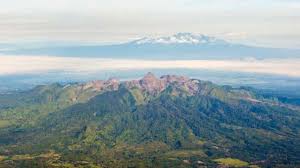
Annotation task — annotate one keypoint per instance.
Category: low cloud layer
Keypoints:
(10, 65)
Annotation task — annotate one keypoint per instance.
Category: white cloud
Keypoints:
(43, 64)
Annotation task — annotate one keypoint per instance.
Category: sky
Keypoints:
(274, 23)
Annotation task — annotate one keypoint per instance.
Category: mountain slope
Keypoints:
(157, 122)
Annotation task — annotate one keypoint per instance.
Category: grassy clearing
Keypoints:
(231, 162)
(254, 166)
(2, 158)
(22, 157)
(4, 123)
(185, 153)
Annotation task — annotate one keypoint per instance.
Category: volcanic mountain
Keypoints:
(179, 46)
(167, 121)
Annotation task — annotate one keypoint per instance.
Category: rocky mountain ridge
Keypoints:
(149, 83)
(153, 85)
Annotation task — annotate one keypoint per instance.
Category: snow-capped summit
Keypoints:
(178, 46)
(181, 38)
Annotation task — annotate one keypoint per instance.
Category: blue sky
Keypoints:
(260, 22)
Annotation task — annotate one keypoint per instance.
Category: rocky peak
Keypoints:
(112, 80)
(149, 84)
(174, 78)
(112, 83)
(153, 85)
(100, 85)
(149, 77)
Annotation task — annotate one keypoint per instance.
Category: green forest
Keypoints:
(148, 123)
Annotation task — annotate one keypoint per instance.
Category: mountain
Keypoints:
(182, 38)
(170, 121)
(178, 46)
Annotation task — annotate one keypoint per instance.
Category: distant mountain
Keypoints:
(182, 38)
(171, 121)
(178, 46)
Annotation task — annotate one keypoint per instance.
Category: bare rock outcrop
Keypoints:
(153, 85)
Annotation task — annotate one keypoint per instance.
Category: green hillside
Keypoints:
(153, 122)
